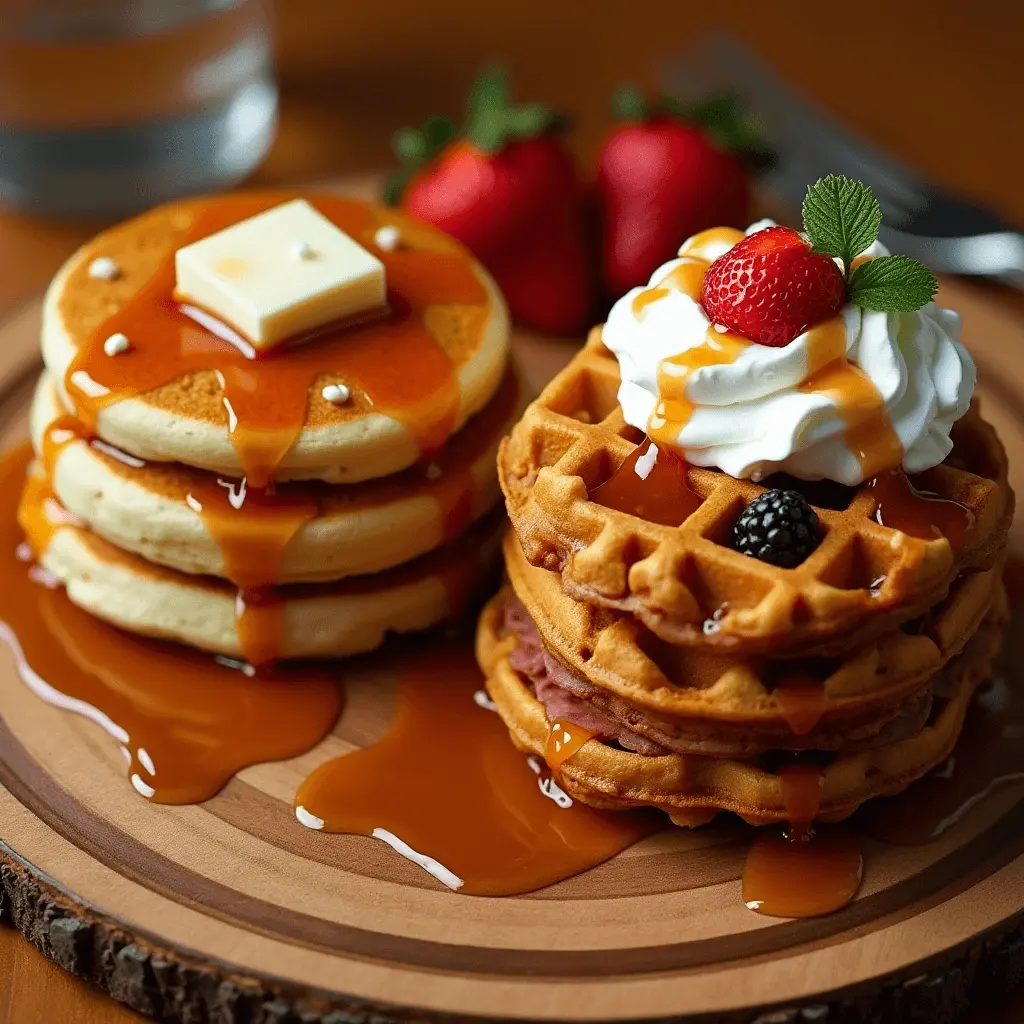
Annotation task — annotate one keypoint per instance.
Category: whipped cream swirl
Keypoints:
(843, 401)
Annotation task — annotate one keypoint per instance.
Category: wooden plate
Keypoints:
(231, 911)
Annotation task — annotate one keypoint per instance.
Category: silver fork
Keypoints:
(949, 235)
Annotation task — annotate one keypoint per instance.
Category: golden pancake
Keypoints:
(182, 392)
(315, 620)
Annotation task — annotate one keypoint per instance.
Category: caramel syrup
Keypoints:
(869, 434)
(901, 506)
(695, 247)
(563, 741)
(675, 409)
(801, 874)
(782, 878)
(392, 362)
(186, 722)
(802, 702)
(652, 484)
(447, 782)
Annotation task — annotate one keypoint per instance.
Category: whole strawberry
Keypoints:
(662, 178)
(507, 188)
(776, 283)
(771, 287)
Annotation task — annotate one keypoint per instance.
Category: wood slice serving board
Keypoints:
(231, 911)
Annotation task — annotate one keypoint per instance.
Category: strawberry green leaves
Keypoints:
(493, 120)
(842, 218)
(414, 148)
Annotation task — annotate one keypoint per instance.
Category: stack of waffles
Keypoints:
(299, 504)
(653, 664)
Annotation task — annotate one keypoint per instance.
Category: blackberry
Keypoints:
(779, 527)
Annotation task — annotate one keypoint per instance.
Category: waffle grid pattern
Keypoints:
(684, 582)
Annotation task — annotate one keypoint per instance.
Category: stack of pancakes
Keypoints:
(139, 503)
(687, 676)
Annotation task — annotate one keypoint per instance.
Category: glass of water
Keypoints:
(110, 106)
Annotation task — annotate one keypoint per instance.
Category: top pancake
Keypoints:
(415, 376)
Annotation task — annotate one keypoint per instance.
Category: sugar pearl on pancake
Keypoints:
(336, 394)
(103, 268)
(116, 344)
(303, 251)
(388, 237)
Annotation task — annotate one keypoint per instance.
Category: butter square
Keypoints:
(281, 273)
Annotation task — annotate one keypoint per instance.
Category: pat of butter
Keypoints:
(281, 273)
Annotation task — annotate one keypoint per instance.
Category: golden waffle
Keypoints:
(691, 789)
(691, 701)
(685, 583)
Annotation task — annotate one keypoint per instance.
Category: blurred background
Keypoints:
(181, 93)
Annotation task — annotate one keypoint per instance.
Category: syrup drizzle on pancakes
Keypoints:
(392, 360)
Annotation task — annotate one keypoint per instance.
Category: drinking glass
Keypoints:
(109, 106)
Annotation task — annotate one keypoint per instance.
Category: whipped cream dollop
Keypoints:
(843, 401)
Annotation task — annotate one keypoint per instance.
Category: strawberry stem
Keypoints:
(630, 104)
(415, 147)
(493, 120)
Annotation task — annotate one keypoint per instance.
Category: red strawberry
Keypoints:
(661, 179)
(509, 191)
(770, 287)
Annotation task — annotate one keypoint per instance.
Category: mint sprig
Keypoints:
(894, 284)
(842, 218)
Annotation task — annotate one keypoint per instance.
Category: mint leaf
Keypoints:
(892, 284)
(841, 217)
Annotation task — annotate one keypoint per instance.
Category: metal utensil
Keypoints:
(949, 235)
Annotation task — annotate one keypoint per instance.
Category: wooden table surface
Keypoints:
(935, 82)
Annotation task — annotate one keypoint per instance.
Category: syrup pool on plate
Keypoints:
(447, 788)
(807, 871)
(185, 721)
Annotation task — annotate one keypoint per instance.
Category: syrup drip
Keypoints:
(711, 238)
(801, 874)
(265, 398)
(251, 526)
(563, 741)
(653, 490)
(185, 721)
(801, 784)
(901, 506)
(675, 410)
(869, 434)
(447, 782)
(802, 703)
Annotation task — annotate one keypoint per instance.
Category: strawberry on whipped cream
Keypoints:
(860, 393)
